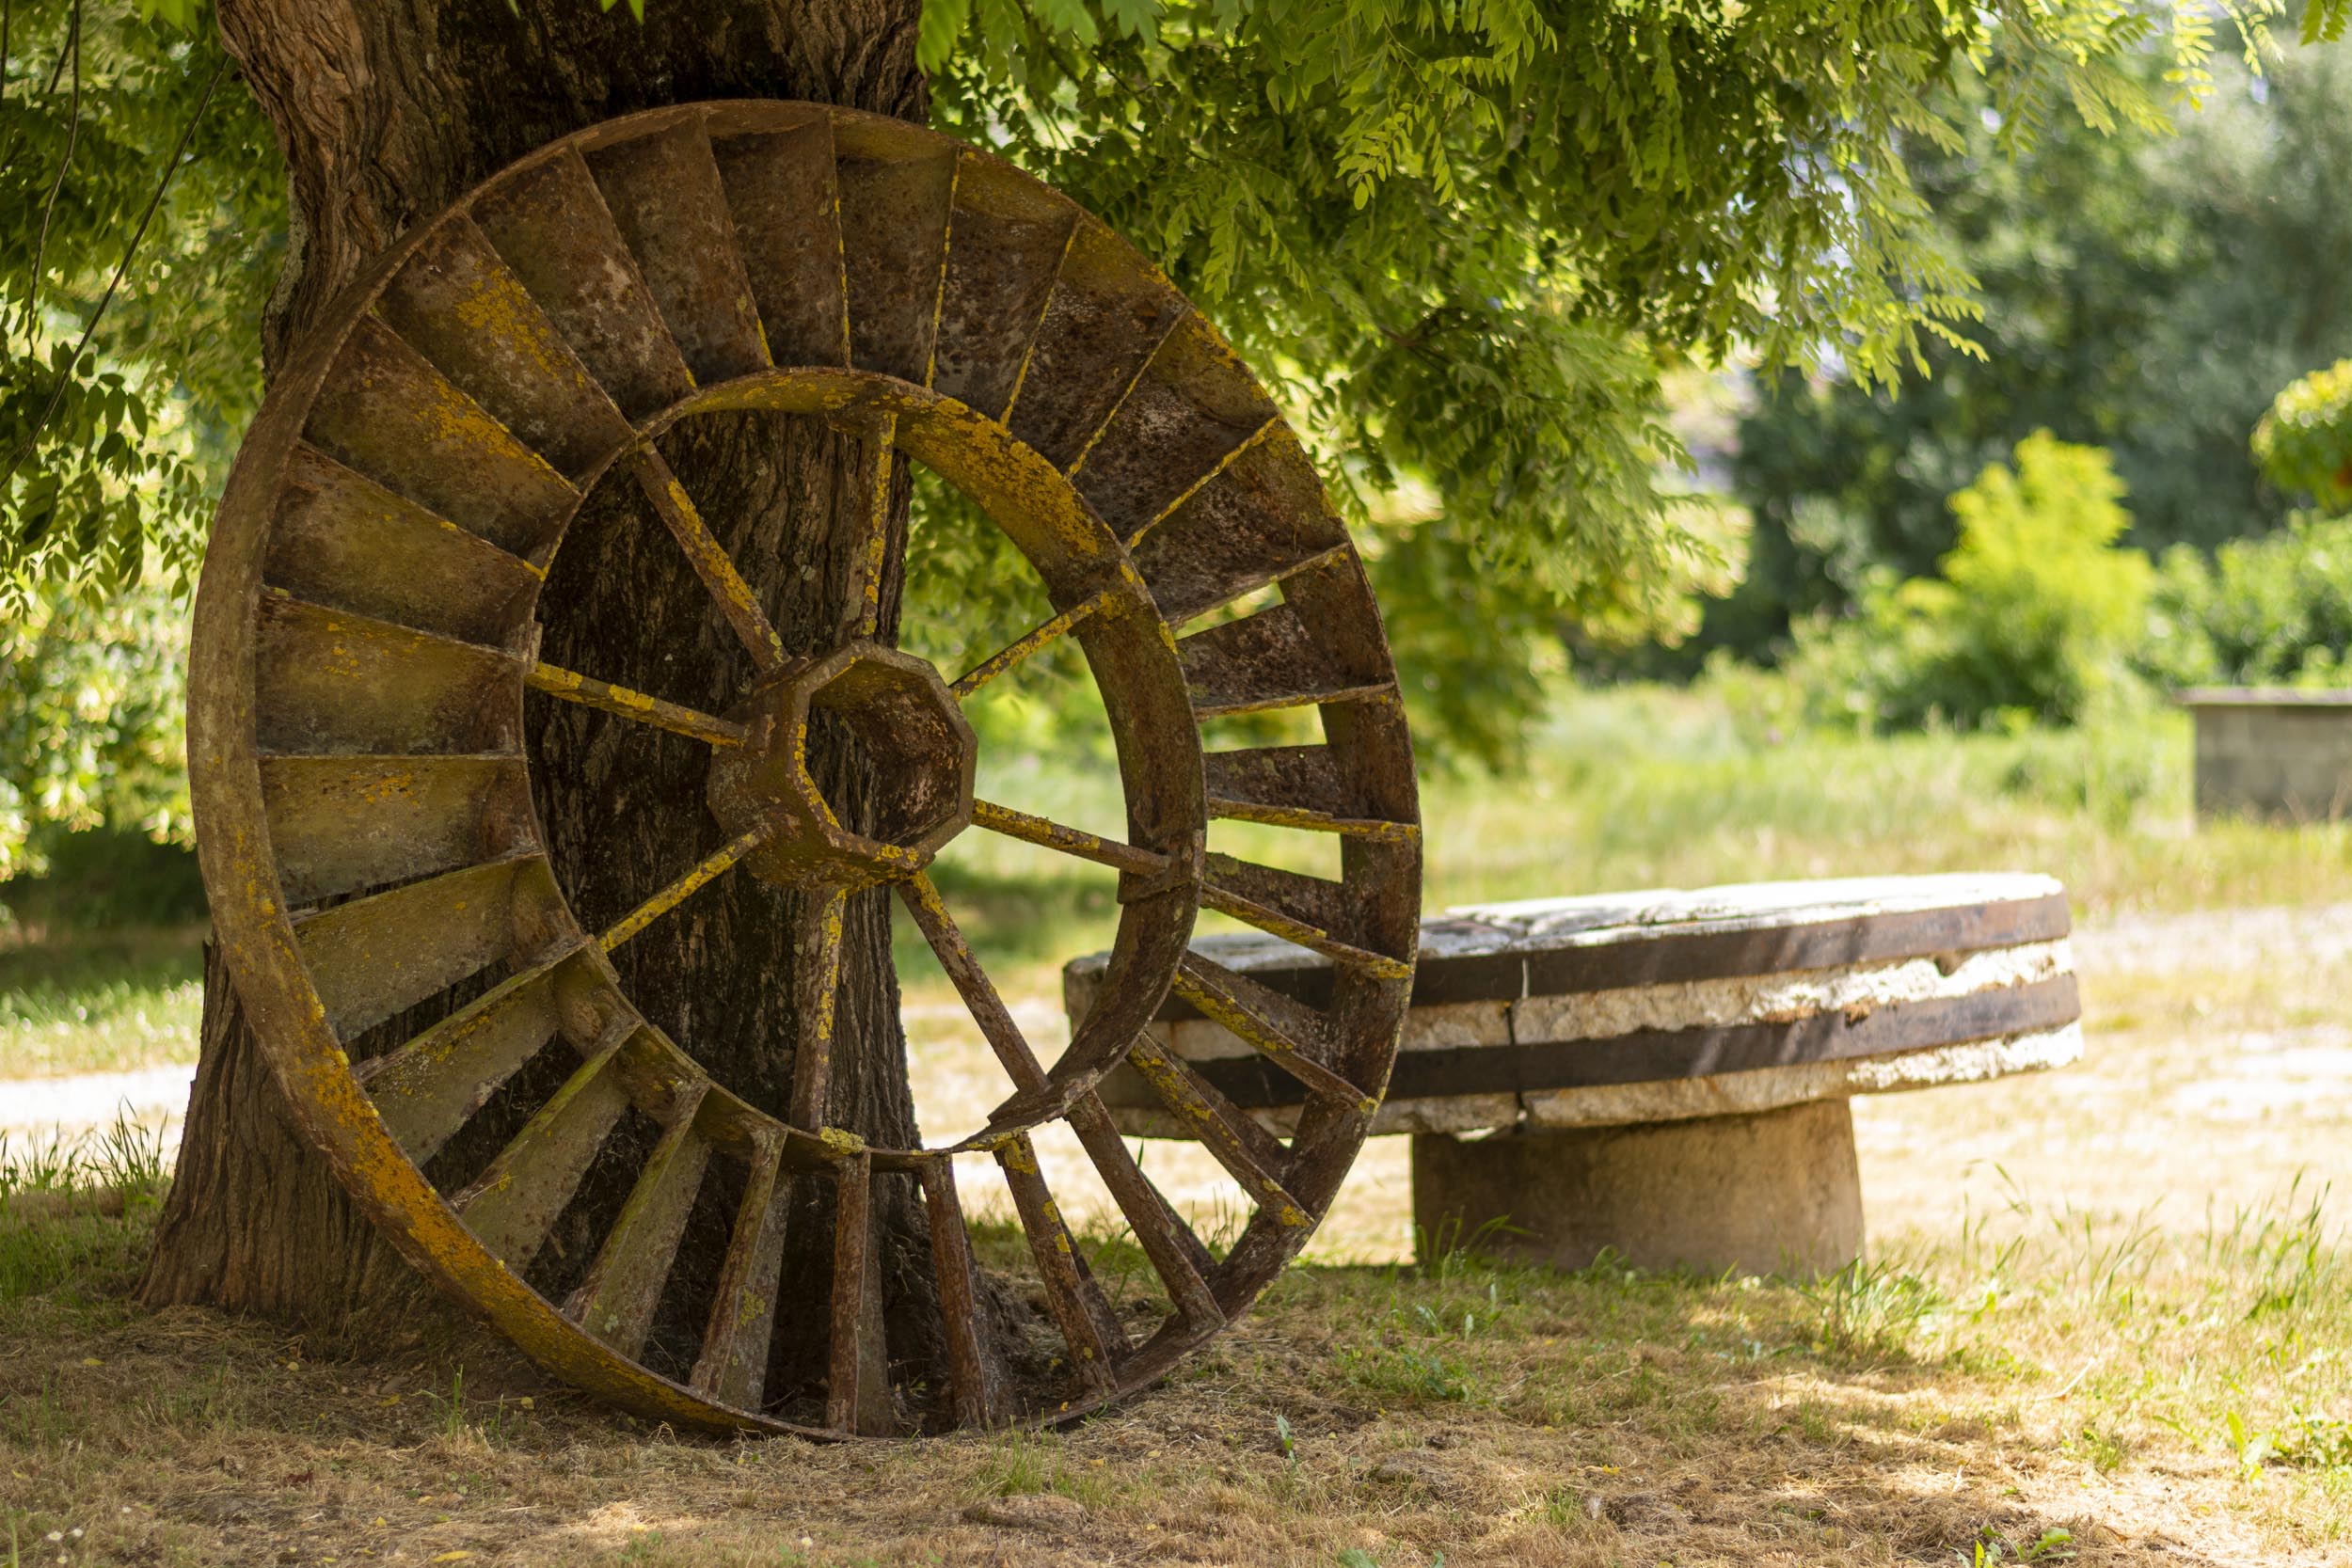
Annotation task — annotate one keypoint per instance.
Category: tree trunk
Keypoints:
(386, 110)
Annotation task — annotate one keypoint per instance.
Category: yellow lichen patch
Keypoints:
(499, 309)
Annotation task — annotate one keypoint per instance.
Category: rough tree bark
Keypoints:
(386, 110)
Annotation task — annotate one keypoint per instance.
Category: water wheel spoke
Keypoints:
(1175, 1253)
(733, 1367)
(1070, 841)
(976, 1376)
(870, 548)
(1253, 1156)
(1028, 643)
(588, 691)
(710, 559)
(1288, 1033)
(857, 1394)
(1089, 1325)
(815, 993)
(705, 871)
(980, 998)
(1307, 911)
(616, 1301)
(427, 1089)
(514, 1203)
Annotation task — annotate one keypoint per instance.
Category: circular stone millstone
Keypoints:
(402, 941)
(1632, 1008)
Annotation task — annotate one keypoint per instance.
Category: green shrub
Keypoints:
(2275, 609)
(2305, 442)
(2032, 621)
(92, 695)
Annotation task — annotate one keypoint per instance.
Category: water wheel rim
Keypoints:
(258, 929)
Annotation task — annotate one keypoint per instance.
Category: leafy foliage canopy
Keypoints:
(2148, 292)
(2034, 617)
(1461, 236)
(2304, 443)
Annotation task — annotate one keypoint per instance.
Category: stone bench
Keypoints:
(1665, 1073)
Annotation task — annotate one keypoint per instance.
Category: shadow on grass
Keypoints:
(43, 968)
(1487, 1412)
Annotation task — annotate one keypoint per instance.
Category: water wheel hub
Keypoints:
(873, 808)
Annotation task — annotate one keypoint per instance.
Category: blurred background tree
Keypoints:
(2145, 289)
(1490, 270)
(2304, 443)
(91, 722)
(1466, 244)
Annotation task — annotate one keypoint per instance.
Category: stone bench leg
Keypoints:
(1775, 1192)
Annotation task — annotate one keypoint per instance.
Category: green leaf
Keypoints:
(944, 22)
(1140, 19)
(1071, 17)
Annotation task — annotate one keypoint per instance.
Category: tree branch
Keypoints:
(49, 209)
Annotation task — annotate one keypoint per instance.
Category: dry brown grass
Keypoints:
(2080, 1281)
(1993, 1397)
(2099, 1304)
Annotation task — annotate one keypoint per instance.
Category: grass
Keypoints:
(2103, 1319)
(113, 1000)
(1655, 787)
(2033, 1389)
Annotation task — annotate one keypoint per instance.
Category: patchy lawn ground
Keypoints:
(2107, 1317)
(2117, 1398)
(2102, 1319)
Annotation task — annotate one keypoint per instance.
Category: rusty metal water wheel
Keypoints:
(369, 625)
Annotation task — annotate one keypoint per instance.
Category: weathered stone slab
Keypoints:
(1665, 1005)
(1664, 1073)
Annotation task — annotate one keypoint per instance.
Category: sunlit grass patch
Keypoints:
(97, 1002)
(2039, 1381)
(75, 1211)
